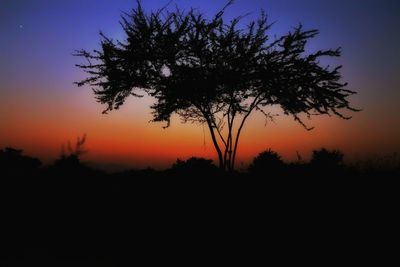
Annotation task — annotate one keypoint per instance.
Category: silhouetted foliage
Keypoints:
(14, 163)
(194, 166)
(267, 163)
(327, 158)
(70, 162)
(323, 164)
(212, 72)
(78, 150)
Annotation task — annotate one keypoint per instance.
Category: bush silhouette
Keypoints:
(13, 162)
(266, 162)
(327, 158)
(194, 165)
(69, 162)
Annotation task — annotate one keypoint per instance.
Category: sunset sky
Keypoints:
(41, 108)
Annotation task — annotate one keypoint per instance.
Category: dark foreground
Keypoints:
(68, 214)
(106, 220)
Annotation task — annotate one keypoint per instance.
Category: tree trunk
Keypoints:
(220, 158)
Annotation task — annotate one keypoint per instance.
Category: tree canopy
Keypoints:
(214, 72)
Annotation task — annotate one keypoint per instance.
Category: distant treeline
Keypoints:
(268, 164)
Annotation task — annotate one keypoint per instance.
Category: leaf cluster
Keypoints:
(198, 67)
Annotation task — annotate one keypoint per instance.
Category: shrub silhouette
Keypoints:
(327, 158)
(70, 162)
(267, 161)
(13, 162)
(195, 166)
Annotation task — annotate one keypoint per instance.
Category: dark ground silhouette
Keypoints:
(68, 214)
(268, 164)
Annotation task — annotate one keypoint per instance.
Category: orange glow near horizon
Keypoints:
(125, 137)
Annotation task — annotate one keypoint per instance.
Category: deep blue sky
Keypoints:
(38, 37)
(44, 33)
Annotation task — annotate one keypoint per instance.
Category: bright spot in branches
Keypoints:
(165, 71)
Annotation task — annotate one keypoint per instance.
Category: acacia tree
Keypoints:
(213, 72)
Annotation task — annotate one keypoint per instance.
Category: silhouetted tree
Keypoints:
(14, 163)
(327, 158)
(212, 72)
(70, 160)
(267, 161)
(194, 166)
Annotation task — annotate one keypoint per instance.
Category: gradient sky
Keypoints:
(41, 108)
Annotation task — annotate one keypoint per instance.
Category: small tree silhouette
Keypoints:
(267, 161)
(71, 160)
(13, 162)
(327, 158)
(214, 73)
(196, 166)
